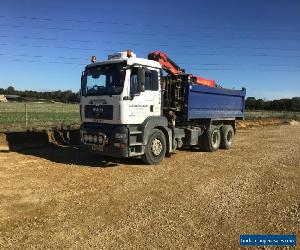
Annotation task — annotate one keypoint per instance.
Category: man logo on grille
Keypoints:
(98, 109)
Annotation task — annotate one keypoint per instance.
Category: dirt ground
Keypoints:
(54, 197)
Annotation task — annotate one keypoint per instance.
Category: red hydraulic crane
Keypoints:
(173, 69)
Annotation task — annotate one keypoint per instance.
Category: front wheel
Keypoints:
(156, 147)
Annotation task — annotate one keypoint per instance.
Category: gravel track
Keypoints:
(54, 197)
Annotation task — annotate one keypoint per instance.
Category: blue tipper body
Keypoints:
(215, 103)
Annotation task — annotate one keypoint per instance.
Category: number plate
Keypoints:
(97, 147)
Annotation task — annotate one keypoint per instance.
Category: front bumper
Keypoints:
(111, 146)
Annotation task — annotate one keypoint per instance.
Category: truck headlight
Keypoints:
(101, 139)
(120, 135)
(85, 137)
(91, 138)
(95, 138)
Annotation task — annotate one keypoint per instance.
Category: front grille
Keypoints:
(99, 112)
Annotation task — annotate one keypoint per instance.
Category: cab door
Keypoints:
(155, 88)
(144, 103)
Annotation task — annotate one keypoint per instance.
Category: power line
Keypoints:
(177, 53)
(279, 65)
(51, 62)
(236, 64)
(149, 34)
(181, 63)
(78, 30)
(146, 44)
(43, 56)
(45, 46)
(167, 26)
(190, 68)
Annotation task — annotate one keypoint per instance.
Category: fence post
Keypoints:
(26, 116)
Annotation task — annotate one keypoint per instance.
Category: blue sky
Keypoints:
(44, 45)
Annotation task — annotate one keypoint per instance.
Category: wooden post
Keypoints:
(26, 116)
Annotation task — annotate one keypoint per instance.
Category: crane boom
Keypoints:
(167, 64)
(173, 69)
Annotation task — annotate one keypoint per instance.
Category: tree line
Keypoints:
(58, 96)
(285, 104)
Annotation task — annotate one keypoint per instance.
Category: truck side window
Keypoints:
(151, 80)
(133, 81)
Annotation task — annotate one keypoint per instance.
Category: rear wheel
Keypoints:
(227, 135)
(156, 147)
(212, 139)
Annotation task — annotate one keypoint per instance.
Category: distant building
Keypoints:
(12, 97)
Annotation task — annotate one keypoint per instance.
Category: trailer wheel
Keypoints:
(227, 135)
(156, 147)
(212, 139)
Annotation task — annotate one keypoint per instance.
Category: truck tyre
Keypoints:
(156, 147)
(212, 139)
(227, 135)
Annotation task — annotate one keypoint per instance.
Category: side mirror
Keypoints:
(83, 92)
(141, 79)
(82, 77)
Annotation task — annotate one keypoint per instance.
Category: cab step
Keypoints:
(137, 132)
(136, 144)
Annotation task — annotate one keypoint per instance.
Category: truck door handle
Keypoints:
(151, 108)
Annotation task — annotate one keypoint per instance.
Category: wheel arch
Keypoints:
(230, 122)
(157, 122)
(151, 123)
(168, 135)
(221, 123)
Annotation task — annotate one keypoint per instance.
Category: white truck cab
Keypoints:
(111, 94)
(117, 96)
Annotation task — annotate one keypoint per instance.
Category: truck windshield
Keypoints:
(103, 80)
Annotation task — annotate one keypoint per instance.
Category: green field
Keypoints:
(251, 115)
(12, 114)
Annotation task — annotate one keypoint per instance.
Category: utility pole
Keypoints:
(26, 116)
